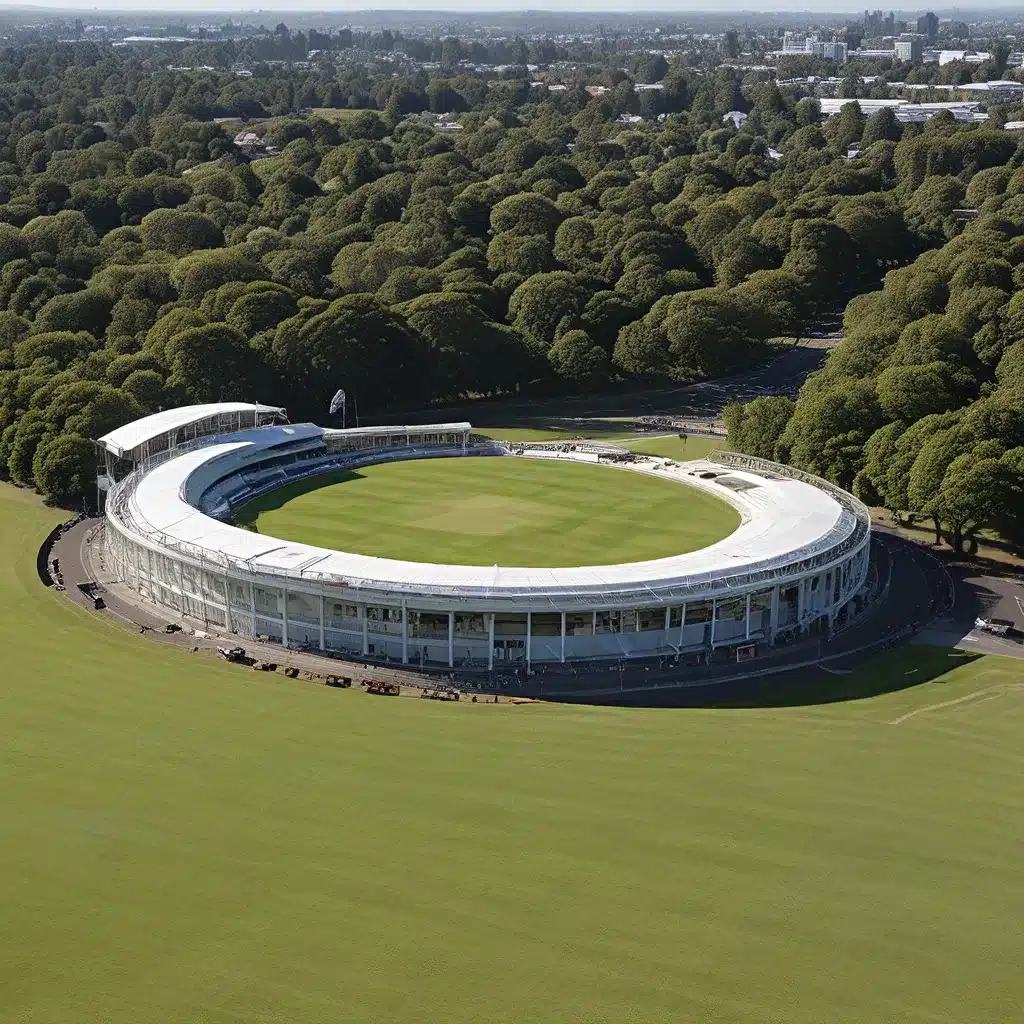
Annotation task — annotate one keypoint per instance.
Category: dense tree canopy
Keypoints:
(548, 244)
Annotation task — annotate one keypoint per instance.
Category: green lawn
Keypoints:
(182, 841)
(495, 511)
(682, 448)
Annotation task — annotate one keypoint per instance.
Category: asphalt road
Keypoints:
(703, 401)
(987, 596)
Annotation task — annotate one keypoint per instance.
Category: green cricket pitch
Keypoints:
(495, 511)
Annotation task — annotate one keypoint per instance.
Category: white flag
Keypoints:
(337, 402)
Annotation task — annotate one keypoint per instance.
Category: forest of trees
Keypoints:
(921, 409)
(545, 248)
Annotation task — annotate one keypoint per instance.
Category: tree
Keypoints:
(881, 126)
(180, 231)
(63, 232)
(146, 387)
(755, 428)
(468, 352)
(30, 430)
(974, 493)
(355, 341)
(576, 357)
(261, 307)
(927, 473)
(828, 430)
(891, 464)
(523, 254)
(212, 363)
(64, 469)
(526, 214)
(910, 392)
(204, 271)
(87, 310)
(539, 303)
(847, 126)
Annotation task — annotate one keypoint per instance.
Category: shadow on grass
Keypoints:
(899, 669)
(247, 515)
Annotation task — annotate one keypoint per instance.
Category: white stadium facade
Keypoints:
(797, 561)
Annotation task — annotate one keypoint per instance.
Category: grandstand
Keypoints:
(798, 560)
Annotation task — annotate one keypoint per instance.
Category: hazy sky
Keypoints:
(611, 6)
(620, 7)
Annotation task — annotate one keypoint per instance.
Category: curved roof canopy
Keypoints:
(783, 520)
(123, 440)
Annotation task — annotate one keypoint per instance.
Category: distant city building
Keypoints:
(928, 25)
(811, 46)
(909, 49)
(877, 25)
(834, 50)
(874, 55)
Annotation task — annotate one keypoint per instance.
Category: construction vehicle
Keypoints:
(379, 686)
(440, 693)
(997, 627)
(236, 655)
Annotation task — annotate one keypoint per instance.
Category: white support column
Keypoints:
(405, 633)
(202, 590)
(227, 603)
(490, 642)
(529, 638)
(284, 616)
(252, 604)
(800, 603)
(682, 623)
(668, 609)
(714, 616)
(773, 615)
(366, 633)
(563, 639)
(747, 619)
(181, 586)
(593, 623)
(451, 639)
(323, 616)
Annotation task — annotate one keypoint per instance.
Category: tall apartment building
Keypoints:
(909, 49)
(928, 25)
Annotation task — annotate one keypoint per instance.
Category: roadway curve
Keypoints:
(703, 401)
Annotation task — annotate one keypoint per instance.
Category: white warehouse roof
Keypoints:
(138, 432)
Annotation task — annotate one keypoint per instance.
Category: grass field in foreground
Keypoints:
(504, 511)
(183, 841)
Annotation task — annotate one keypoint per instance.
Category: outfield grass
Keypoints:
(682, 448)
(495, 512)
(184, 841)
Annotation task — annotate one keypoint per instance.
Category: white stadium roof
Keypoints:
(782, 520)
(138, 432)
